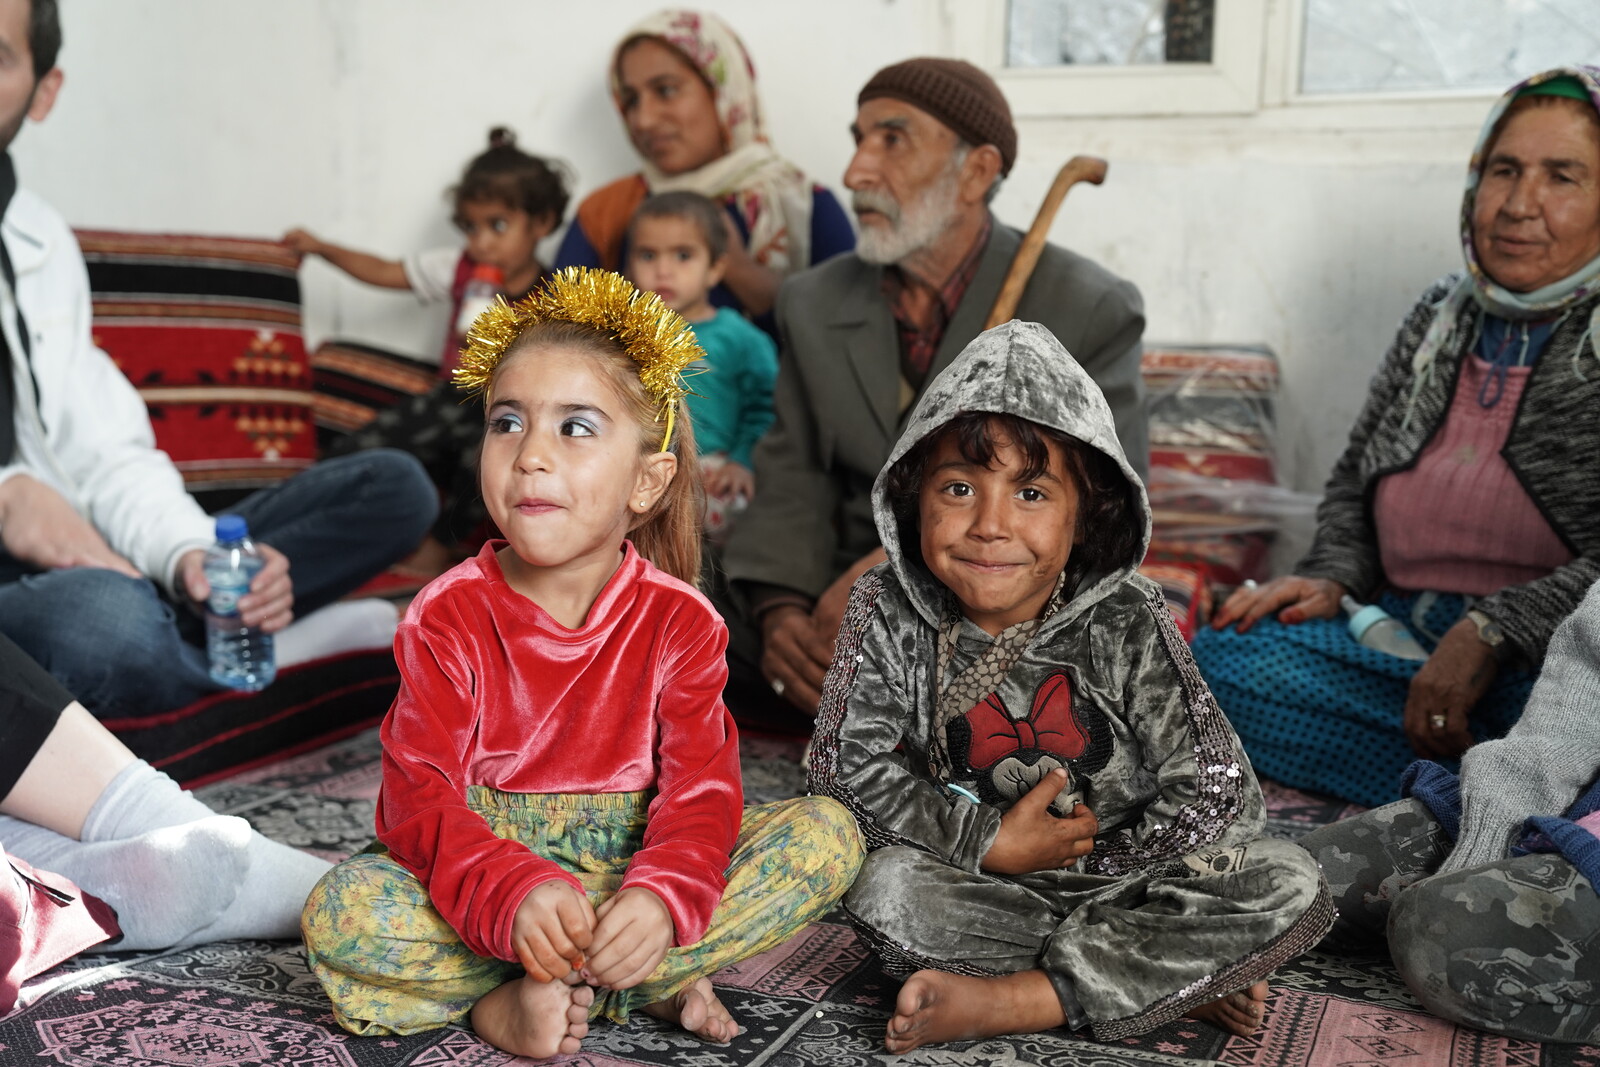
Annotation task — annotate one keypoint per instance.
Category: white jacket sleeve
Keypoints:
(96, 429)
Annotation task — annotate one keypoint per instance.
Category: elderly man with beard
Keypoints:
(864, 333)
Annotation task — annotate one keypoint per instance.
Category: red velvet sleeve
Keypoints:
(475, 879)
(694, 817)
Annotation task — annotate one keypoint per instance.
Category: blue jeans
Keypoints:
(123, 648)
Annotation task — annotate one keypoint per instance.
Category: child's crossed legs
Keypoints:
(392, 965)
(1122, 955)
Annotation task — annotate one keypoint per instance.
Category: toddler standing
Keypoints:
(560, 828)
(677, 248)
(506, 203)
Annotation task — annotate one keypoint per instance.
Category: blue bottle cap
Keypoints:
(232, 528)
(1366, 619)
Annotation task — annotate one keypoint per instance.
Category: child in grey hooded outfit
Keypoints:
(1064, 827)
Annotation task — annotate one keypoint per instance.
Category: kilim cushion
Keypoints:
(354, 382)
(307, 706)
(1187, 591)
(208, 329)
(1212, 427)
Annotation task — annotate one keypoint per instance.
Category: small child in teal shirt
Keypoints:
(677, 248)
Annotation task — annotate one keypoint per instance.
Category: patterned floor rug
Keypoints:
(818, 1000)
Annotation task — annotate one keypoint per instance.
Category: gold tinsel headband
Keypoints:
(658, 339)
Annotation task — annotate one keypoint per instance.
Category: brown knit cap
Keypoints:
(956, 93)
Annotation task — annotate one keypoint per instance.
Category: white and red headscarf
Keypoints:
(771, 195)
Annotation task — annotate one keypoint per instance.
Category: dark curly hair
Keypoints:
(1108, 532)
(506, 173)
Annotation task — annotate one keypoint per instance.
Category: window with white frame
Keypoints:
(1061, 58)
(1385, 46)
(1053, 33)
(1115, 57)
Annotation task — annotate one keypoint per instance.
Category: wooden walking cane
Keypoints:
(1090, 169)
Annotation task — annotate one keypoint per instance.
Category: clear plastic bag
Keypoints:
(1213, 460)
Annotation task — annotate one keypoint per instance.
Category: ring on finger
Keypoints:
(777, 686)
(1438, 722)
(1250, 584)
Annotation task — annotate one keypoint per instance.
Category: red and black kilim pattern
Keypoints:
(1212, 427)
(208, 330)
(305, 707)
(355, 382)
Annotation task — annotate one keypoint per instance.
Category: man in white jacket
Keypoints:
(100, 544)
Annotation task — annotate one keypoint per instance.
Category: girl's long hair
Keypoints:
(669, 534)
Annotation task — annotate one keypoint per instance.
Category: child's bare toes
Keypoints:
(1238, 1013)
(719, 1021)
(534, 1019)
(697, 1009)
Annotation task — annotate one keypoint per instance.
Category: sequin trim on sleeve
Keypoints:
(1219, 777)
(823, 773)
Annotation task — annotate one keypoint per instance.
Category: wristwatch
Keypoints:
(1489, 633)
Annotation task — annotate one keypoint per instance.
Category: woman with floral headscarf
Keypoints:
(685, 88)
(1468, 501)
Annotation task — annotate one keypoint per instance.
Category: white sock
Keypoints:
(240, 884)
(165, 883)
(271, 897)
(345, 626)
(140, 798)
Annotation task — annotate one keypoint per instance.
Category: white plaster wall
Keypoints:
(1309, 229)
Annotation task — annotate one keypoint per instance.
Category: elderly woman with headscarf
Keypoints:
(1468, 501)
(685, 88)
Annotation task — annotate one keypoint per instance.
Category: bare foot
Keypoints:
(1238, 1013)
(934, 1006)
(697, 1009)
(535, 1019)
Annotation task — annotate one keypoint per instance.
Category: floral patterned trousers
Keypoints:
(392, 965)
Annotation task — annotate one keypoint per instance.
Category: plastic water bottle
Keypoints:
(241, 656)
(1375, 628)
(483, 285)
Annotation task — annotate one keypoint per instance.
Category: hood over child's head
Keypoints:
(1008, 473)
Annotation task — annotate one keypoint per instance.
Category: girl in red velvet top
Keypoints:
(560, 827)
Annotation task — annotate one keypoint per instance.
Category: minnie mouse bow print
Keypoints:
(1009, 756)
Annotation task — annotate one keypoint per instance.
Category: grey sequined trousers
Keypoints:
(1125, 954)
(1510, 946)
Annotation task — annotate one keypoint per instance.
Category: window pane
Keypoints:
(1055, 33)
(1399, 45)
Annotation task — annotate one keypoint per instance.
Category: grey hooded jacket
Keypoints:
(1149, 749)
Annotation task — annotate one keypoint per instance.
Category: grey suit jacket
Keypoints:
(838, 398)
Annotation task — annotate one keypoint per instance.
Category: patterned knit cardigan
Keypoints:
(1553, 448)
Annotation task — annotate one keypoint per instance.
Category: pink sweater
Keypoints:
(1459, 521)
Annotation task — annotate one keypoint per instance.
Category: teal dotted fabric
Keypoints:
(1318, 711)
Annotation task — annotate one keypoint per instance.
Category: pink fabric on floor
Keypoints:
(44, 920)
(1315, 1030)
